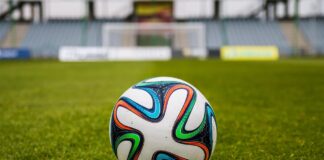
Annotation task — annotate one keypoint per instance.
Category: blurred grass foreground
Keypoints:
(264, 110)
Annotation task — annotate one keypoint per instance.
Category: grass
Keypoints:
(265, 110)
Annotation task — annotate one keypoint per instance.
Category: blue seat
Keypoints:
(314, 32)
(45, 39)
(214, 36)
(255, 32)
(4, 29)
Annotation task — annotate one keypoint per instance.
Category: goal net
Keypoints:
(183, 39)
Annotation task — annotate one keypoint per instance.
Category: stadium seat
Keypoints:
(4, 28)
(313, 30)
(214, 36)
(255, 32)
(45, 39)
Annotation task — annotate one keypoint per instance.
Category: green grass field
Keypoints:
(264, 110)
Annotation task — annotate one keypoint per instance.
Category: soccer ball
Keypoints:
(163, 118)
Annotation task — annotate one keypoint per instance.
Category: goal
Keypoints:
(184, 39)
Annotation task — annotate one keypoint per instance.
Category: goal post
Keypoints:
(187, 38)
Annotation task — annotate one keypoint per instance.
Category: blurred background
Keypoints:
(111, 29)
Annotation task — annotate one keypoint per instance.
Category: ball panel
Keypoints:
(158, 135)
(141, 97)
(214, 135)
(176, 100)
(123, 149)
(134, 121)
(197, 113)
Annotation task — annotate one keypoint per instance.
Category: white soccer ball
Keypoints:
(163, 118)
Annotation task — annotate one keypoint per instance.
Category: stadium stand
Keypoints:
(95, 34)
(214, 36)
(46, 31)
(296, 38)
(314, 32)
(255, 32)
(46, 38)
(4, 28)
